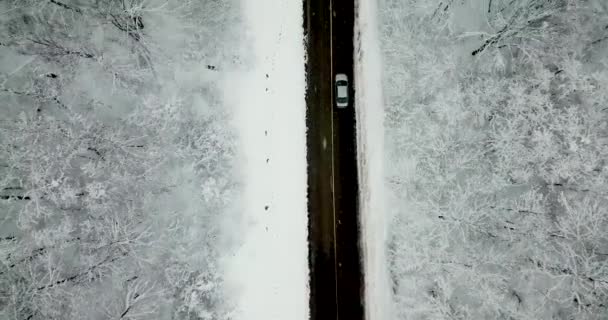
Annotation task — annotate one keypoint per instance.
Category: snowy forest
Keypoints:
(496, 133)
(116, 158)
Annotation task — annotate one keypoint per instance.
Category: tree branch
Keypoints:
(80, 274)
(599, 40)
(492, 40)
(125, 26)
(29, 94)
(97, 153)
(35, 253)
(137, 20)
(65, 6)
(9, 238)
(124, 313)
(60, 50)
(12, 197)
(565, 271)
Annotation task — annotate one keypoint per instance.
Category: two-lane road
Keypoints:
(336, 281)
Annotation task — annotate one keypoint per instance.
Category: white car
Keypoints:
(341, 90)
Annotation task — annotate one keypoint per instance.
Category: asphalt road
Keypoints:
(336, 280)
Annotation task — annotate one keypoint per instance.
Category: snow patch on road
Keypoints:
(370, 142)
(269, 273)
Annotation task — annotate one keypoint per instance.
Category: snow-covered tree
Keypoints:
(115, 158)
(496, 135)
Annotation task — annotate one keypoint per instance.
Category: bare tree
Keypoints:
(498, 159)
(102, 158)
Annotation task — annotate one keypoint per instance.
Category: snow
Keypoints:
(370, 141)
(269, 272)
(481, 206)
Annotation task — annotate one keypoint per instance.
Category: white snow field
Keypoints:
(370, 149)
(269, 274)
(496, 140)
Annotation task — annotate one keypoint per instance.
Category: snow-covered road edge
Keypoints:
(269, 273)
(370, 142)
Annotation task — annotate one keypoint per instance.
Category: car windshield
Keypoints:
(342, 83)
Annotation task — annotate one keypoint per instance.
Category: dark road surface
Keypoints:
(336, 281)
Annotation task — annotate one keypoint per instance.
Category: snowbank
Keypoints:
(370, 141)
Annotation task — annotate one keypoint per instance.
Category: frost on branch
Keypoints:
(498, 171)
(115, 167)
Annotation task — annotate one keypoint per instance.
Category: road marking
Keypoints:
(324, 143)
(333, 177)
